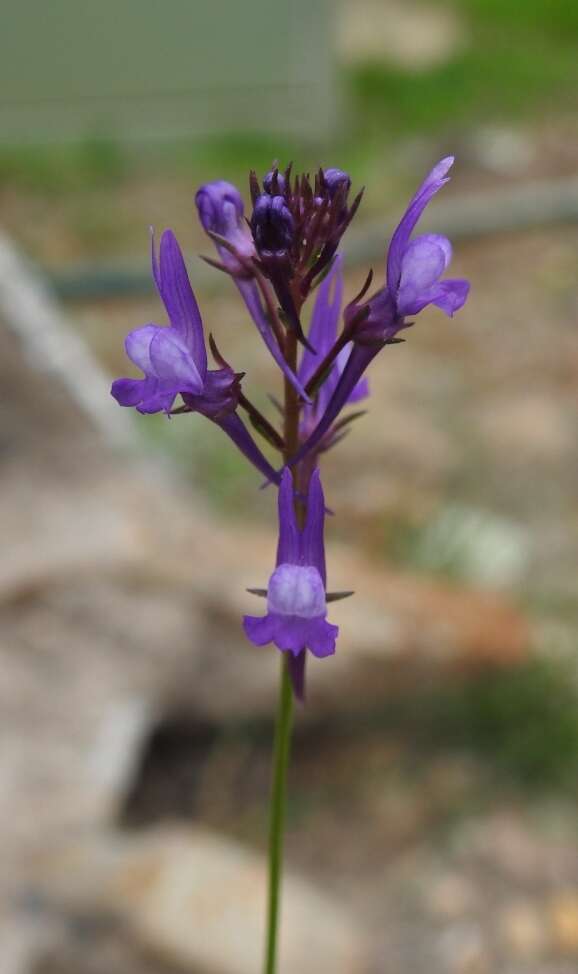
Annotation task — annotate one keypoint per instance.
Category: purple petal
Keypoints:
(423, 263)
(128, 392)
(296, 667)
(448, 295)
(287, 632)
(288, 544)
(179, 300)
(161, 402)
(171, 360)
(358, 361)
(148, 395)
(451, 295)
(321, 637)
(260, 630)
(434, 182)
(291, 633)
(250, 294)
(137, 345)
(361, 390)
(312, 548)
(324, 320)
(155, 265)
(234, 427)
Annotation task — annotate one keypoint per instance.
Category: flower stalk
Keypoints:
(288, 249)
(284, 719)
(277, 808)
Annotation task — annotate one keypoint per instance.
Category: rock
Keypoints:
(462, 949)
(196, 900)
(96, 945)
(452, 896)
(523, 852)
(564, 919)
(523, 930)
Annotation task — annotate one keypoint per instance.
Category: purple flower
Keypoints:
(296, 602)
(322, 335)
(414, 268)
(221, 211)
(174, 360)
(413, 280)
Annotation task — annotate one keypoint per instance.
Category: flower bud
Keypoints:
(335, 180)
(220, 208)
(274, 183)
(272, 225)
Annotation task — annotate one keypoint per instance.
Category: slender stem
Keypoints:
(285, 707)
(277, 813)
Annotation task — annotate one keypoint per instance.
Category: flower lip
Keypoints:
(296, 590)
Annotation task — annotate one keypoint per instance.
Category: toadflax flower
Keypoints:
(413, 280)
(174, 360)
(221, 212)
(296, 598)
(322, 336)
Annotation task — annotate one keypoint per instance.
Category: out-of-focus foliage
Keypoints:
(518, 57)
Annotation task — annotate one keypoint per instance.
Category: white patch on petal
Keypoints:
(296, 590)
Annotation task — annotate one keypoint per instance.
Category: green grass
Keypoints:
(520, 59)
(523, 721)
(92, 163)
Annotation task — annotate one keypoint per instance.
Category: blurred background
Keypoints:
(432, 823)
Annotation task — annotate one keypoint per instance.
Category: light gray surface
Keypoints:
(141, 69)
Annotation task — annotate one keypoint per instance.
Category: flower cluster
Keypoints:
(287, 249)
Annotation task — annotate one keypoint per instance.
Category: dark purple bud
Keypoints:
(274, 183)
(272, 225)
(335, 180)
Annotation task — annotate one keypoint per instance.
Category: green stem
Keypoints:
(285, 705)
(277, 813)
